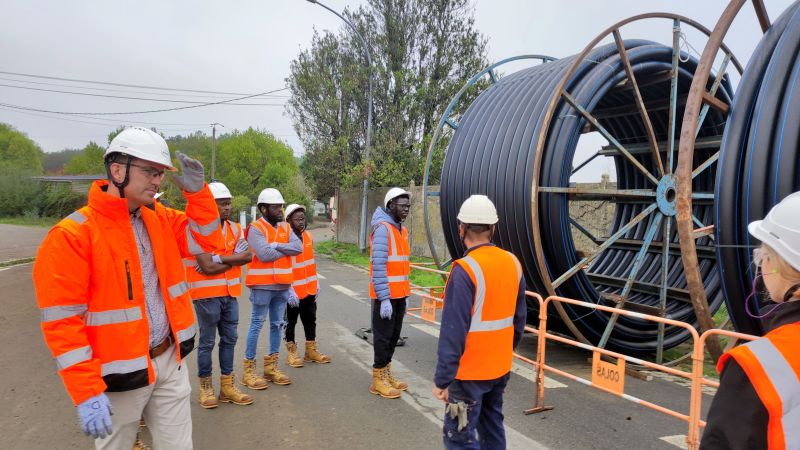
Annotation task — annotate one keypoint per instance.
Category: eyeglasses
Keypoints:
(403, 205)
(150, 171)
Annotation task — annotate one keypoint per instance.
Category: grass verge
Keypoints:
(14, 262)
(26, 221)
(349, 254)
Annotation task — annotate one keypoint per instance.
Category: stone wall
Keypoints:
(596, 217)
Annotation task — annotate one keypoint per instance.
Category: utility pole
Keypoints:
(214, 147)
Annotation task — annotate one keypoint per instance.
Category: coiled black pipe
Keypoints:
(758, 163)
(492, 150)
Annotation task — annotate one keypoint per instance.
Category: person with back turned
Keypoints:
(482, 322)
(757, 405)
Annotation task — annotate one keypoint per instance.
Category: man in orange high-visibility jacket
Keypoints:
(269, 278)
(303, 295)
(214, 284)
(482, 322)
(115, 307)
(389, 287)
(757, 405)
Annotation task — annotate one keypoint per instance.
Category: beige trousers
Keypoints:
(163, 404)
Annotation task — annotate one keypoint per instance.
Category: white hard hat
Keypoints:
(142, 143)
(393, 194)
(781, 229)
(219, 190)
(292, 208)
(270, 196)
(477, 209)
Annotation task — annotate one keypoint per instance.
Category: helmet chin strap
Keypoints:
(121, 185)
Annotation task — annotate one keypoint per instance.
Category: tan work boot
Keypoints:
(293, 359)
(207, 398)
(271, 371)
(380, 386)
(229, 393)
(139, 444)
(250, 378)
(312, 354)
(397, 384)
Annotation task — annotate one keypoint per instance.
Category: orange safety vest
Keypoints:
(772, 364)
(90, 292)
(304, 269)
(398, 264)
(275, 272)
(496, 275)
(225, 284)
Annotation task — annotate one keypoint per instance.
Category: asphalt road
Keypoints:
(328, 406)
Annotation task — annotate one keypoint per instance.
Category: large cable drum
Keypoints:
(517, 142)
(759, 163)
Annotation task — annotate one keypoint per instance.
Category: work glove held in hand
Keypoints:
(95, 416)
(294, 302)
(192, 177)
(386, 309)
(241, 246)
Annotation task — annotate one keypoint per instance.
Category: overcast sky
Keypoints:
(203, 45)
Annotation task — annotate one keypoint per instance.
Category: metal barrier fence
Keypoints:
(606, 376)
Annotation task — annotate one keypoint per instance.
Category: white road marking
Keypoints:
(518, 368)
(15, 265)
(679, 440)
(321, 276)
(418, 395)
(354, 295)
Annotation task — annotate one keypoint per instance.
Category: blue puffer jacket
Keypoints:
(380, 251)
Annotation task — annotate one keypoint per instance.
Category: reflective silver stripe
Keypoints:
(208, 283)
(303, 263)
(398, 259)
(189, 262)
(194, 247)
(392, 243)
(187, 333)
(52, 313)
(272, 271)
(397, 279)
(306, 280)
(478, 324)
(234, 281)
(73, 357)
(77, 217)
(112, 316)
(124, 366)
(784, 380)
(177, 290)
(204, 230)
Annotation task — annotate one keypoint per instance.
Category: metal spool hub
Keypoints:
(517, 141)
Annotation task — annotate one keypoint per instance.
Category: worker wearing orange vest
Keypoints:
(269, 278)
(482, 322)
(303, 295)
(757, 405)
(214, 284)
(389, 287)
(115, 308)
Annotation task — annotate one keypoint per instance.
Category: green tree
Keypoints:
(422, 50)
(88, 162)
(18, 154)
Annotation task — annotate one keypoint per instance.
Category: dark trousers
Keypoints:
(217, 313)
(484, 430)
(386, 332)
(307, 311)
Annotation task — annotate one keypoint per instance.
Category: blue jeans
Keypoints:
(216, 313)
(264, 301)
(484, 400)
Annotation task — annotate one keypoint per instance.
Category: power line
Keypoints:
(71, 113)
(106, 83)
(115, 122)
(42, 83)
(129, 98)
